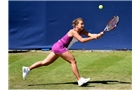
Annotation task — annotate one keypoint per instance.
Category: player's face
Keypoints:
(80, 25)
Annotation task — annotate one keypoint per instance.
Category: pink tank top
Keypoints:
(66, 40)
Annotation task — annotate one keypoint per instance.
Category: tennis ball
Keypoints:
(100, 6)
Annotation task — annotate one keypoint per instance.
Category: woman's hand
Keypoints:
(100, 35)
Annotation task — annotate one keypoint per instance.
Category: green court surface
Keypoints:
(109, 70)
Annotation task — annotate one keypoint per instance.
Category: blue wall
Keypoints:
(39, 24)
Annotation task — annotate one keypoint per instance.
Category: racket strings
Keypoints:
(113, 23)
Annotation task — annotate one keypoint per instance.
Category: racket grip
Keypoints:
(103, 31)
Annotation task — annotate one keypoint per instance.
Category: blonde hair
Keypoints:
(76, 21)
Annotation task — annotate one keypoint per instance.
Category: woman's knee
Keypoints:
(73, 61)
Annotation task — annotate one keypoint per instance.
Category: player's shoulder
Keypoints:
(72, 30)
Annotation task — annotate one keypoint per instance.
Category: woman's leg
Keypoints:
(70, 58)
(48, 60)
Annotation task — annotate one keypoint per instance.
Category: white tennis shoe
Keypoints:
(82, 81)
(25, 72)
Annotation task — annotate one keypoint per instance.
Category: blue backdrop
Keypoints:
(39, 24)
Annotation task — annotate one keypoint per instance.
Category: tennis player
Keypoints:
(59, 49)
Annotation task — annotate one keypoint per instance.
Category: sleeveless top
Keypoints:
(68, 41)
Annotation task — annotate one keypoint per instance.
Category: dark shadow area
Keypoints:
(123, 50)
(90, 82)
(28, 50)
(110, 82)
(18, 51)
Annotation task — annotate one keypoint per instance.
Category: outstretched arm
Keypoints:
(79, 37)
(97, 36)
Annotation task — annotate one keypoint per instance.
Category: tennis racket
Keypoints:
(112, 24)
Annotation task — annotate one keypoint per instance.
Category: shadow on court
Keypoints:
(90, 82)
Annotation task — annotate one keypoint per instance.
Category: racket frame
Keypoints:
(107, 28)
